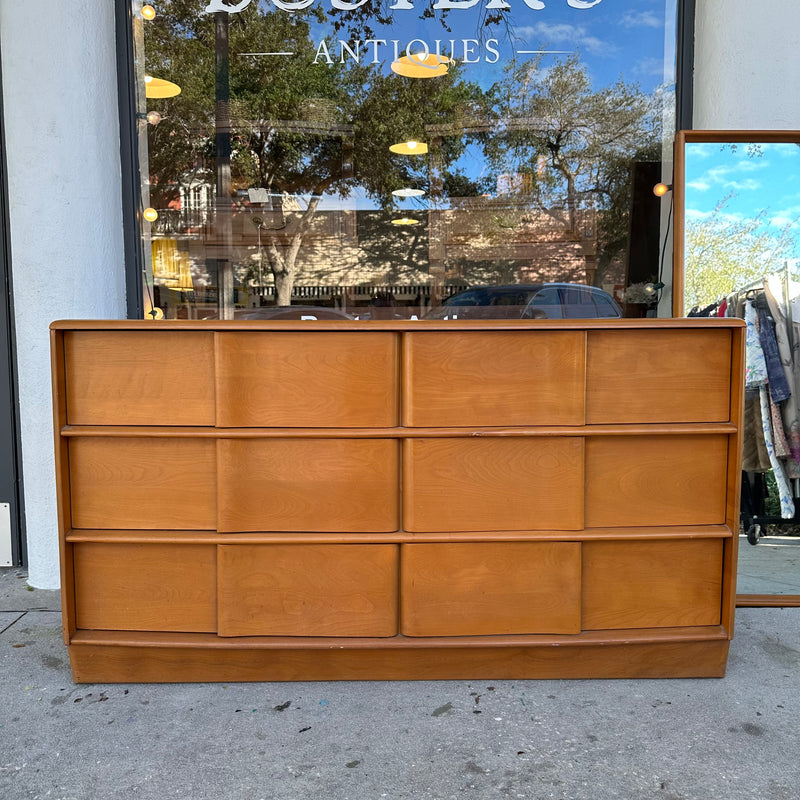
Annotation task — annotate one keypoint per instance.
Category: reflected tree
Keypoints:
(724, 252)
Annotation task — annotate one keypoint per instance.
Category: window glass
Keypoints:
(377, 157)
(546, 304)
(578, 303)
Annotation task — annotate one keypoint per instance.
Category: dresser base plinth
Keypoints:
(143, 663)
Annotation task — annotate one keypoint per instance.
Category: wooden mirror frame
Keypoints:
(679, 200)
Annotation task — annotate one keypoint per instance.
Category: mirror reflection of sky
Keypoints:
(750, 181)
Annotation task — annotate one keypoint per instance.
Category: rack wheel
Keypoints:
(754, 533)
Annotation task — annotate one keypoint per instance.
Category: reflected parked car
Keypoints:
(531, 301)
(291, 312)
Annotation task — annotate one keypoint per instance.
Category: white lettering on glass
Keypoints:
(218, 5)
(469, 51)
(299, 5)
(456, 3)
(343, 6)
(322, 52)
(402, 5)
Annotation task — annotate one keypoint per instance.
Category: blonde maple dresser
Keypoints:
(369, 500)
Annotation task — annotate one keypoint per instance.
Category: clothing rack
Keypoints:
(780, 416)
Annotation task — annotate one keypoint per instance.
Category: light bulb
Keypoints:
(148, 12)
(660, 189)
(153, 117)
(412, 144)
(148, 78)
(150, 214)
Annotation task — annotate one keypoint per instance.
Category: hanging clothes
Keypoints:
(790, 409)
(784, 491)
(755, 457)
(778, 385)
(755, 372)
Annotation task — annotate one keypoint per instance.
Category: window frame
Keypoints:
(129, 156)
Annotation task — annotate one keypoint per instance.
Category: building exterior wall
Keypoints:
(746, 65)
(62, 134)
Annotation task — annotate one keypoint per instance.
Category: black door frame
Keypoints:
(10, 448)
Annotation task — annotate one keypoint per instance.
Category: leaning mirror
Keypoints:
(737, 253)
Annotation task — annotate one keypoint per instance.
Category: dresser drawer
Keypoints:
(656, 480)
(658, 376)
(143, 483)
(652, 584)
(495, 378)
(486, 588)
(139, 377)
(145, 587)
(487, 483)
(308, 590)
(295, 379)
(309, 485)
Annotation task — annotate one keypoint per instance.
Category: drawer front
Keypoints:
(309, 485)
(652, 584)
(656, 480)
(494, 379)
(490, 588)
(143, 483)
(139, 377)
(485, 484)
(308, 590)
(296, 380)
(146, 587)
(658, 376)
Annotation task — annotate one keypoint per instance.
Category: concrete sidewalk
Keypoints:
(569, 740)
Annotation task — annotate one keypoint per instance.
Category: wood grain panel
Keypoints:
(308, 485)
(490, 588)
(143, 483)
(494, 378)
(655, 480)
(96, 663)
(513, 483)
(308, 590)
(135, 587)
(658, 376)
(652, 584)
(298, 379)
(140, 378)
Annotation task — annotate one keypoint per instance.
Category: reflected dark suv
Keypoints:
(531, 301)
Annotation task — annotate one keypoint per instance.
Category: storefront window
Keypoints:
(377, 157)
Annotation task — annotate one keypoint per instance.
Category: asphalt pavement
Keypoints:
(726, 739)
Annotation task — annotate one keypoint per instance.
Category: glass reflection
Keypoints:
(742, 216)
(740, 255)
(538, 132)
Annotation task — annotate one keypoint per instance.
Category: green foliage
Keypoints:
(723, 253)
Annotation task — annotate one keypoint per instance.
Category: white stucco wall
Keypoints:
(747, 64)
(62, 135)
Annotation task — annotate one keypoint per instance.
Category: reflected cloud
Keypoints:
(728, 177)
(649, 66)
(642, 19)
(576, 35)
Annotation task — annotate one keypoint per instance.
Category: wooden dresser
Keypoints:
(412, 500)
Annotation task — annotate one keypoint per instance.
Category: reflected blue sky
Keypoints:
(629, 39)
(762, 178)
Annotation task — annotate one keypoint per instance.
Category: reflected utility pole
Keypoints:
(222, 148)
